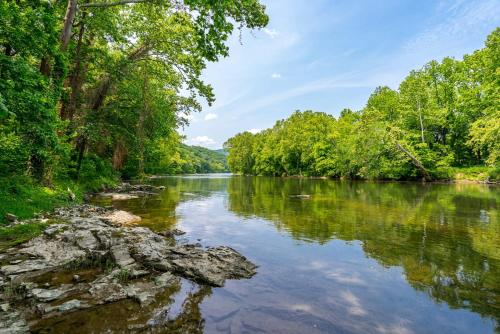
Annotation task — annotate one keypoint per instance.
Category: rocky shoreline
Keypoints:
(95, 256)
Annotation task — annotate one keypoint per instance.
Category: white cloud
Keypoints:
(210, 116)
(275, 76)
(353, 303)
(272, 33)
(201, 141)
(254, 131)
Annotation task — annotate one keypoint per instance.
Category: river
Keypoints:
(333, 257)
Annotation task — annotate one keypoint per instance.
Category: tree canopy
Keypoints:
(443, 115)
(94, 87)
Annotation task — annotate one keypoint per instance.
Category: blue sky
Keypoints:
(326, 55)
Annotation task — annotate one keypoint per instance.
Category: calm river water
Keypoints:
(333, 257)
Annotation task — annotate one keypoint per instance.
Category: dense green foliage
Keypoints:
(196, 159)
(184, 159)
(92, 90)
(23, 197)
(443, 116)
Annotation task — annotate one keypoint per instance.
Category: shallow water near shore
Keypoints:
(333, 257)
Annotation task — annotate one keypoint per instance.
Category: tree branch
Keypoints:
(415, 161)
(110, 4)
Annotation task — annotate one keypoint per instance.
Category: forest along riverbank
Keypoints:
(93, 256)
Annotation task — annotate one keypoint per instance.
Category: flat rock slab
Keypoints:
(120, 217)
(118, 196)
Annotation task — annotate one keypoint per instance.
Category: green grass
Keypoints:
(15, 235)
(475, 173)
(24, 198)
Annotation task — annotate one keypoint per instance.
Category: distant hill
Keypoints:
(197, 159)
(222, 151)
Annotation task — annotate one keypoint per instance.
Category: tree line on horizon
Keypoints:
(98, 88)
(442, 116)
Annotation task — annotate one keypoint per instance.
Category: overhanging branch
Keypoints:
(110, 4)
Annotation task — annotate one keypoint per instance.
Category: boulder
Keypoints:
(120, 218)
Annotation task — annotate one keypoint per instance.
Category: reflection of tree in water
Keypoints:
(176, 310)
(189, 320)
(445, 237)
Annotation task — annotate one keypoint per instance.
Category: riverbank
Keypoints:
(87, 256)
(23, 199)
(473, 175)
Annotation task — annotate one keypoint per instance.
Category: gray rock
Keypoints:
(121, 256)
(118, 196)
(86, 240)
(105, 291)
(142, 292)
(120, 218)
(88, 236)
(54, 229)
(166, 279)
(46, 295)
(13, 322)
(5, 307)
(178, 232)
(10, 217)
(23, 267)
(70, 305)
(212, 266)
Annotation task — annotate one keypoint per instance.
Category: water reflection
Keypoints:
(333, 256)
(176, 310)
(438, 234)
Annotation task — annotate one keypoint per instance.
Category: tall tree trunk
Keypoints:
(68, 24)
(45, 63)
(140, 127)
(45, 67)
(81, 146)
(106, 80)
(76, 78)
(419, 108)
(415, 161)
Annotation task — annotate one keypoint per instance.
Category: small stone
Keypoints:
(178, 232)
(15, 261)
(5, 307)
(69, 305)
(76, 278)
(10, 217)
